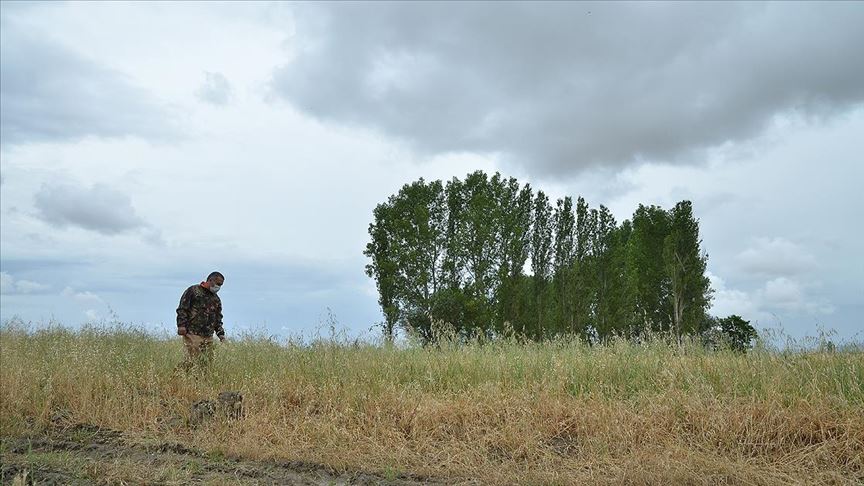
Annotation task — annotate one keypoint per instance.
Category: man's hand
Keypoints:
(222, 339)
(181, 331)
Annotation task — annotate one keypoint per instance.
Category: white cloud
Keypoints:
(7, 283)
(215, 89)
(11, 285)
(27, 286)
(792, 295)
(729, 301)
(782, 295)
(81, 296)
(775, 257)
(782, 292)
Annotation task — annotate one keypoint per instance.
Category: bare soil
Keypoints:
(85, 454)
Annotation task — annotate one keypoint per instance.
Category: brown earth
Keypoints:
(85, 454)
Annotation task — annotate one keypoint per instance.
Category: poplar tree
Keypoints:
(689, 288)
(384, 268)
(580, 288)
(514, 224)
(457, 254)
(608, 273)
(454, 258)
(646, 272)
(564, 222)
(541, 245)
(618, 307)
(481, 246)
(409, 264)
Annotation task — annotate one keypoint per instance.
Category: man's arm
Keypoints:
(184, 312)
(217, 326)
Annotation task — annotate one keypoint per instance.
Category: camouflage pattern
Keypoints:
(200, 312)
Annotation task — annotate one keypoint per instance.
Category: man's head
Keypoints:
(215, 281)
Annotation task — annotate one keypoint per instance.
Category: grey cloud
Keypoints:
(98, 208)
(51, 93)
(216, 89)
(566, 86)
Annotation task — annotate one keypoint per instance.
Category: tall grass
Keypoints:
(559, 412)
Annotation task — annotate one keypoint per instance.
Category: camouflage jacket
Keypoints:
(200, 312)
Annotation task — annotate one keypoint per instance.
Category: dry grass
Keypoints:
(552, 413)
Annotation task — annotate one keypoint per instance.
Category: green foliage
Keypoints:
(646, 272)
(455, 254)
(689, 287)
(735, 332)
(407, 250)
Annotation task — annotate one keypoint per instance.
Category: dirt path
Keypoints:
(86, 454)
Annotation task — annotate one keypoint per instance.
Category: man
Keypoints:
(199, 315)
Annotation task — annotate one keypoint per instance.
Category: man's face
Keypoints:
(216, 281)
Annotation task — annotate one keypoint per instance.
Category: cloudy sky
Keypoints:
(144, 145)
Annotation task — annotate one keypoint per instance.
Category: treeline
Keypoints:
(488, 255)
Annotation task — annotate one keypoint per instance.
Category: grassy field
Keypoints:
(496, 413)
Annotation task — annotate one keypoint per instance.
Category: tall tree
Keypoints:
(619, 307)
(384, 268)
(689, 289)
(514, 220)
(541, 264)
(479, 232)
(414, 226)
(564, 223)
(481, 246)
(457, 254)
(580, 289)
(646, 272)
(608, 274)
(454, 258)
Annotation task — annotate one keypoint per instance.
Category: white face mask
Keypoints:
(215, 288)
